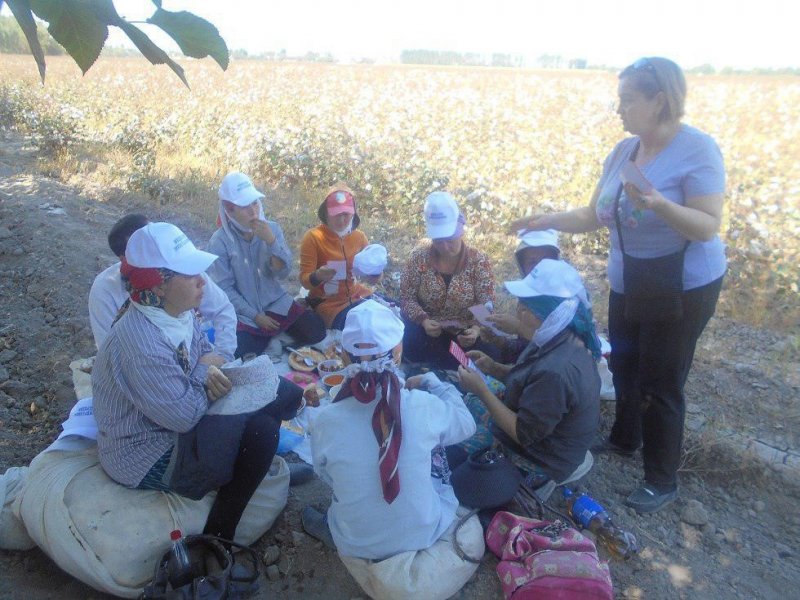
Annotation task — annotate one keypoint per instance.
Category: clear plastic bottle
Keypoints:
(590, 515)
(179, 568)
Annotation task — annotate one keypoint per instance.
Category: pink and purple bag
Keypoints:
(545, 560)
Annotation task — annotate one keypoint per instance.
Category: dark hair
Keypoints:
(654, 74)
(122, 230)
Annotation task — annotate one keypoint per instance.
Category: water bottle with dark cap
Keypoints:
(179, 568)
(590, 515)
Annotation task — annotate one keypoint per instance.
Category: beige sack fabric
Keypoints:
(109, 536)
(13, 535)
(436, 573)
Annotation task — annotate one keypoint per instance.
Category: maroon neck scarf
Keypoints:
(386, 422)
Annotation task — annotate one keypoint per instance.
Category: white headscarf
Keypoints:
(556, 321)
(176, 329)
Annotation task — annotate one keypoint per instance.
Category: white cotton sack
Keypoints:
(109, 536)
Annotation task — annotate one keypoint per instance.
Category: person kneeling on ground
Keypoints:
(373, 446)
(253, 256)
(108, 295)
(550, 411)
(155, 379)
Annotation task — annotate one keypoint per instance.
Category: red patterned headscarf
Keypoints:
(386, 420)
(140, 281)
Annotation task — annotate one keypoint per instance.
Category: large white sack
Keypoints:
(436, 573)
(13, 535)
(109, 536)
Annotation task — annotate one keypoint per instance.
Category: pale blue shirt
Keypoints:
(691, 165)
(244, 271)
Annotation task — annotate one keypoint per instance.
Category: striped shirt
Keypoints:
(142, 397)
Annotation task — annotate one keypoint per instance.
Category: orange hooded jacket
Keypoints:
(323, 244)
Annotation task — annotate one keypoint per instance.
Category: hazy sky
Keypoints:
(739, 33)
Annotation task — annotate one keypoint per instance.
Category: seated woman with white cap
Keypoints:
(533, 247)
(253, 258)
(440, 282)
(549, 415)
(373, 446)
(156, 381)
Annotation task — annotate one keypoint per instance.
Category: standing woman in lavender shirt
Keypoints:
(155, 377)
(650, 359)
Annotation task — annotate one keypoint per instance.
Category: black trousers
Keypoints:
(650, 363)
(309, 328)
(233, 454)
(418, 346)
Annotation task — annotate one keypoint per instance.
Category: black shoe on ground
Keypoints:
(300, 473)
(606, 445)
(648, 500)
(315, 524)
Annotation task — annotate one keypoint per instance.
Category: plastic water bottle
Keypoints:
(590, 515)
(179, 569)
(207, 328)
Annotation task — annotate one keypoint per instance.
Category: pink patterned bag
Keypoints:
(544, 560)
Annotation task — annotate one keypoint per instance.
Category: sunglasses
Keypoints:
(644, 64)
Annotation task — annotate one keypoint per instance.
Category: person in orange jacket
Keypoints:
(326, 258)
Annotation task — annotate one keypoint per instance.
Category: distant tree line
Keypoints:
(12, 39)
(446, 57)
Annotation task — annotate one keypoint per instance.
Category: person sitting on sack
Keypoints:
(253, 257)
(156, 381)
(108, 294)
(373, 446)
(550, 412)
(326, 257)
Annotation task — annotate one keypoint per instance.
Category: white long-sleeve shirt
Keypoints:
(345, 455)
(108, 295)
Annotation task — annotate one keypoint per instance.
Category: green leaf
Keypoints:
(157, 3)
(75, 25)
(195, 36)
(152, 52)
(21, 9)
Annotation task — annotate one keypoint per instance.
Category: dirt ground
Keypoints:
(732, 534)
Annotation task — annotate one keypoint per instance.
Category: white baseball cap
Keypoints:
(371, 260)
(164, 246)
(550, 278)
(534, 239)
(371, 328)
(441, 215)
(81, 421)
(237, 188)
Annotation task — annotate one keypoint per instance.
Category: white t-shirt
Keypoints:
(108, 295)
(345, 455)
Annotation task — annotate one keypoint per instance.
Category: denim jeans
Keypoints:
(650, 363)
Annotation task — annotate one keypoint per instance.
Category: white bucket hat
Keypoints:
(441, 215)
(534, 239)
(164, 246)
(255, 384)
(371, 328)
(237, 188)
(550, 278)
(371, 260)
